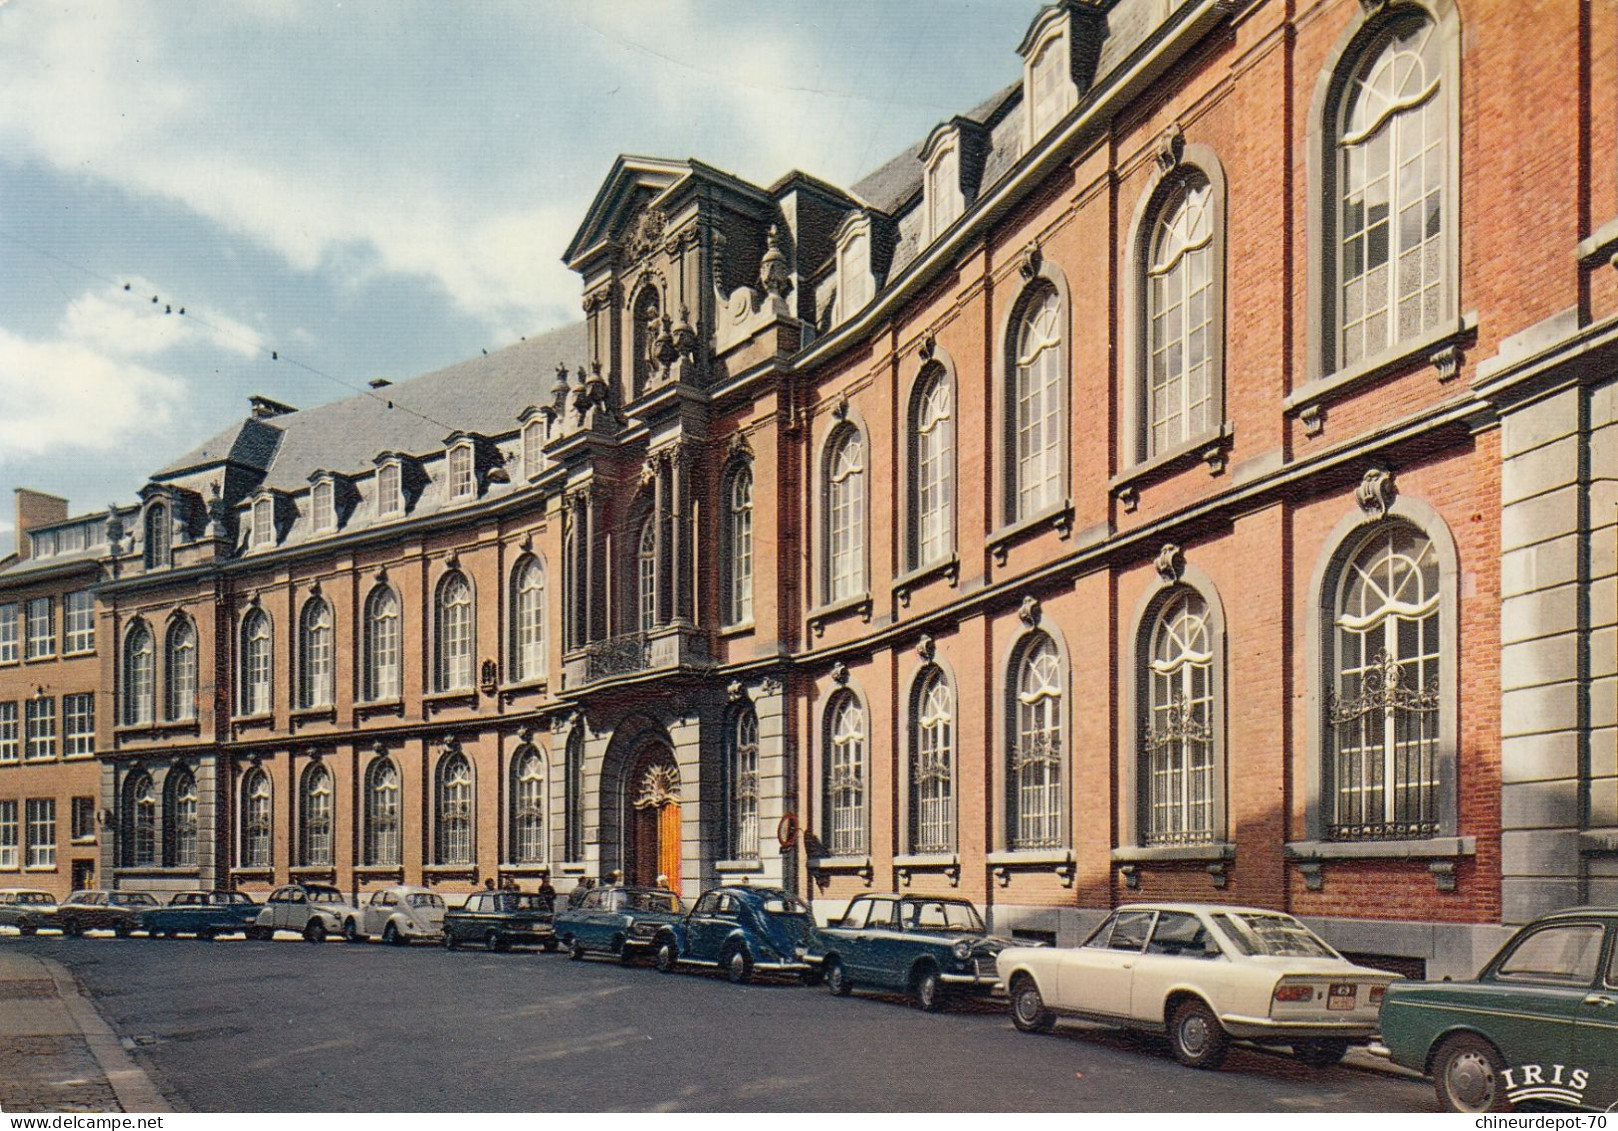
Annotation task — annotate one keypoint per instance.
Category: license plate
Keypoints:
(1340, 997)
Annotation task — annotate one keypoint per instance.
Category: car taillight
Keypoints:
(1376, 994)
(1294, 993)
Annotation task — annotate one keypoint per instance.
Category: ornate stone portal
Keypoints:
(653, 820)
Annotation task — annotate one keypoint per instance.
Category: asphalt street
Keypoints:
(288, 1026)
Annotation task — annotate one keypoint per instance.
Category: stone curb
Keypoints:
(135, 1090)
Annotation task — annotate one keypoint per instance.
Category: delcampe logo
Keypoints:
(1540, 1082)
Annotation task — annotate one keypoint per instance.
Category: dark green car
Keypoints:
(1539, 1025)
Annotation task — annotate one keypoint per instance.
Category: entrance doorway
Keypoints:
(653, 820)
(84, 874)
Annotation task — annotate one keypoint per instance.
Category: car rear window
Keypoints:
(653, 901)
(1272, 936)
(1565, 955)
(425, 899)
(785, 905)
(33, 897)
(325, 895)
(941, 915)
(1180, 934)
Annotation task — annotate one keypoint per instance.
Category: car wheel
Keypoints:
(24, 927)
(837, 980)
(449, 941)
(390, 935)
(812, 977)
(575, 950)
(72, 929)
(1028, 1010)
(492, 942)
(668, 956)
(1198, 1038)
(739, 966)
(549, 946)
(351, 931)
(120, 932)
(1320, 1054)
(314, 931)
(153, 934)
(207, 934)
(1467, 1073)
(927, 990)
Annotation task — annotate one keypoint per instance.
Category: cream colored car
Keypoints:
(1204, 974)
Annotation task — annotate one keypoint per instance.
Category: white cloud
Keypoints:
(124, 321)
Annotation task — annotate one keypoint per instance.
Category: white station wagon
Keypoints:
(1204, 974)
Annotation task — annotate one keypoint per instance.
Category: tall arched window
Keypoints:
(1383, 708)
(1036, 393)
(142, 821)
(646, 574)
(845, 515)
(574, 830)
(845, 776)
(528, 620)
(454, 810)
(1035, 780)
(316, 674)
(382, 651)
(454, 616)
(382, 813)
(738, 551)
(932, 458)
(1179, 294)
(180, 821)
(257, 654)
(159, 537)
(1178, 752)
(744, 784)
(258, 820)
(139, 673)
(315, 817)
(180, 671)
(529, 796)
(932, 766)
(1391, 168)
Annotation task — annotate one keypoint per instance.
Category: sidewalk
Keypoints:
(56, 1053)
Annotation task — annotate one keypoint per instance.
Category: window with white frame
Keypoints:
(646, 574)
(264, 522)
(455, 810)
(10, 744)
(258, 820)
(180, 671)
(79, 615)
(933, 469)
(528, 801)
(932, 766)
(41, 832)
(382, 652)
(1037, 396)
(382, 813)
(316, 659)
(1384, 706)
(315, 817)
(744, 838)
(943, 191)
(845, 515)
(533, 447)
(463, 483)
(1050, 85)
(159, 537)
(1179, 289)
(528, 659)
(454, 616)
(180, 821)
(257, 652)
(8, 633)
(1390, 187)
(41, 724)
(845, 776)
(855, 284)
(83, 818)
(141, 845)
(79, 724)
(323, 505)
(140, 676)
(738, 555)
(41, 628)
(1035, 773)
(1177, 755)
(389, 490)
(8, 834)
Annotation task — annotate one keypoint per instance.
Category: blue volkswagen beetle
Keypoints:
(606, 921)
(741, 930)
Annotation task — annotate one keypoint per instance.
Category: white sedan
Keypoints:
(1204, 974)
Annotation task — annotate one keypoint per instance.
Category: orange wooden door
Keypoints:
(668, 843)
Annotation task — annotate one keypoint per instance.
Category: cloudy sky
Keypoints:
(379, 189)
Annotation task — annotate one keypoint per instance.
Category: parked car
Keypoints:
(1539, 1023)
(1204, 974)
(926, 946)
(605, 921)
(312, 910)
(200, 913)
(741, 930)
(115, 911)
(398, 916)
(27, 910)
(498, 919)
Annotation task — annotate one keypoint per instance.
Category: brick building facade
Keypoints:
(1184, 475)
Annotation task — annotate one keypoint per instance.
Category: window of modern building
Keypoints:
(382, 651)
(180, 671)
(528, 801)
(738, 550)
(1180, 396)
(1038, 449)
(41, 727)
(8, 834)
(79, 724)
(646, 574)
(83, 816)
(455, 633)
(317, 676)
(315, 817)
(463, 483)
(41, 628)
(257, 653)
(528, 637)
(79, 613)
(258, 820)
(845, 776)
(1178, 747)
(180, 823)
(382, 813)
(1035, 774)
(141, 846)
(323, 506)
(139, 676)
(533, 447)
(10, 744)
(932, 459)
(41, 832)
(845, 515)
(744, 838)
(389, 490)
(159, 547)
(264, 522)
(8, 633)
(455, 810)
(932, 766)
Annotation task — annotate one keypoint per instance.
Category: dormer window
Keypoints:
(533, 446)
(1049, 90)
(323, 506)
(463, 482)
(943, 192)
(389, 490)
(264, 522)
(855, 284)
(159, 539)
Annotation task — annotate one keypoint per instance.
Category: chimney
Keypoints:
(35, 508)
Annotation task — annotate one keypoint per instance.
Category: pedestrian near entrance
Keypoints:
(547, 893)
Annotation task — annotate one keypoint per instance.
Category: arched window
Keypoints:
(1036, 393)
(744, 784)
(139, 665)
(382, 651)
(258, 820)
(1180, 393)
(646, 574)
(932, 459)
(528, 660)
(454, 616)
(180, 671)
(845, 776)
(528, 801)
(264, 522)
(390, 498)
(845, 515)
(382, 813)
(1383, 707)
(1392, 121)
(738, 555)
(574, 800)
(1178, 746)
(180, 820)
(142, 821)
(454, 810)
(932, 766)
(1035, 778)
(644, 341)
(315, 817)
(257, 652)
(316, 677)
(159, 537)
(323, 506)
